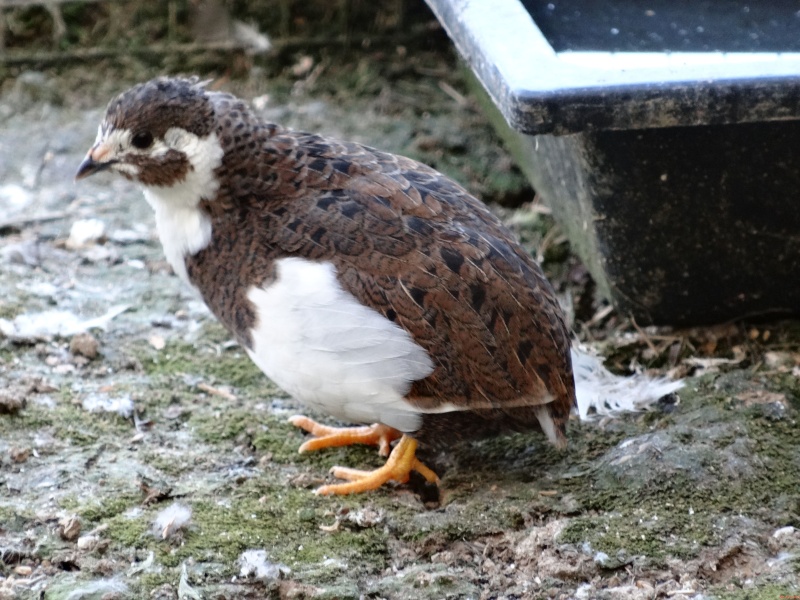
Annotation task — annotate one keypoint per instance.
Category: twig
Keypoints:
(453, 93)
(19, 223)
(600, 315)
(550, 238)
(644, 337)
(216, 391)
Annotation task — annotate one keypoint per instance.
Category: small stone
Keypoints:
(87, 542)
(366, 517)
(783, 532)
(157, 342)
(69, 528)
(84, 344)
(774, 359)
(19, 455)
(12, 400)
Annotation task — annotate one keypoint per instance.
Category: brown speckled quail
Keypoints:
(367, 285)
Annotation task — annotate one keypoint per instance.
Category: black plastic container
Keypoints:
(665, 136)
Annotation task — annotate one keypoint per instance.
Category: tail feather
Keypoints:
(601, 393)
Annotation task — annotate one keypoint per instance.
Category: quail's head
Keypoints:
(155, 133)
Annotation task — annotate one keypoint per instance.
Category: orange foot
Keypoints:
(398, 467)
(333, 437)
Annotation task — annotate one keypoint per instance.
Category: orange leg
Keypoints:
(398, 467)
(332, 437)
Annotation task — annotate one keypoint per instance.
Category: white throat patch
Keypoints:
(182, 227)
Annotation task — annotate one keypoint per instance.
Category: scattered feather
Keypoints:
(85, 232)
(43, 325)
(783, 531)
(601, 393)
(248, 35)
(711, 365)
(255, 563)
(171, 520)
(99, 402)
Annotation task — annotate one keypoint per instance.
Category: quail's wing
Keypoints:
(418, 248)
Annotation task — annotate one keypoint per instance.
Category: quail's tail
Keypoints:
(599, 392)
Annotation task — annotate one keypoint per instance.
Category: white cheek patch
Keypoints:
(324, 347)
(159, 148)
(197, 149)
(182, 227)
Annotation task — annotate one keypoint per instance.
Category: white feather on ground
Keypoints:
(101, 402)
(601, 393)
(257, 564)
(171, 520)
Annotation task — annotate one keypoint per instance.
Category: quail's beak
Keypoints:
(97, 159)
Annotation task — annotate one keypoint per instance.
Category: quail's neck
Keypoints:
(183, 227)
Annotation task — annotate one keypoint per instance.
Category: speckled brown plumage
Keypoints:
(404, 240)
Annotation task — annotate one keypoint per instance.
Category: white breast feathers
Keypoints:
(324, 347)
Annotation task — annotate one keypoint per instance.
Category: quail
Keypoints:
(368, 286)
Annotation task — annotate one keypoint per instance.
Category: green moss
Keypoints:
(129, 532)
(166, 465)
(11, 310)
(640, 532)
(268, 434)
(670, 511)
(151, 580)
(212, 364)
(31, 418)
(78, 426)
(284, 521)
(13, 519)
(766, 592)
(112, 506)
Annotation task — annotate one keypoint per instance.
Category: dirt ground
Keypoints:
(150, 459)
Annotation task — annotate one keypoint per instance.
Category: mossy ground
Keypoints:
(699, 497)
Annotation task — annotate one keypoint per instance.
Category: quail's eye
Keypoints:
(142, 139)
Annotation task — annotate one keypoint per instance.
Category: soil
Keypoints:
(148, 458)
